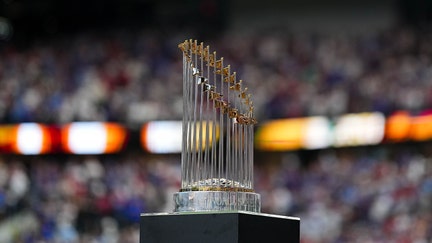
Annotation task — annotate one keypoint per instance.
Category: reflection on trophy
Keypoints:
(218, 135)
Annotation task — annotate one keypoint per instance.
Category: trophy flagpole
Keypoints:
(213, 96)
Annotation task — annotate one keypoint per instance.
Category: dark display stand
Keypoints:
(217, 227)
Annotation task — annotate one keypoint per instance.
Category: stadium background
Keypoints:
(365, 177)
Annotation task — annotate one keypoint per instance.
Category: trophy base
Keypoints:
(199, 201)
(216, 227)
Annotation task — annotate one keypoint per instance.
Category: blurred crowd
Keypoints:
(133, 77)
(84, 199)
(355, 195)
(379, 194)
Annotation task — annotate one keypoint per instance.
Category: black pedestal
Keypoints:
(217, 227)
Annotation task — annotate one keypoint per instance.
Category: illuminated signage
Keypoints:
(93, 137)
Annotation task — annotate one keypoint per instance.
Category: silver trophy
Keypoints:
(218, 135)
(216, 202)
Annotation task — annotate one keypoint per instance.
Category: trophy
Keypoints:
(216, 201)
(218, 136)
